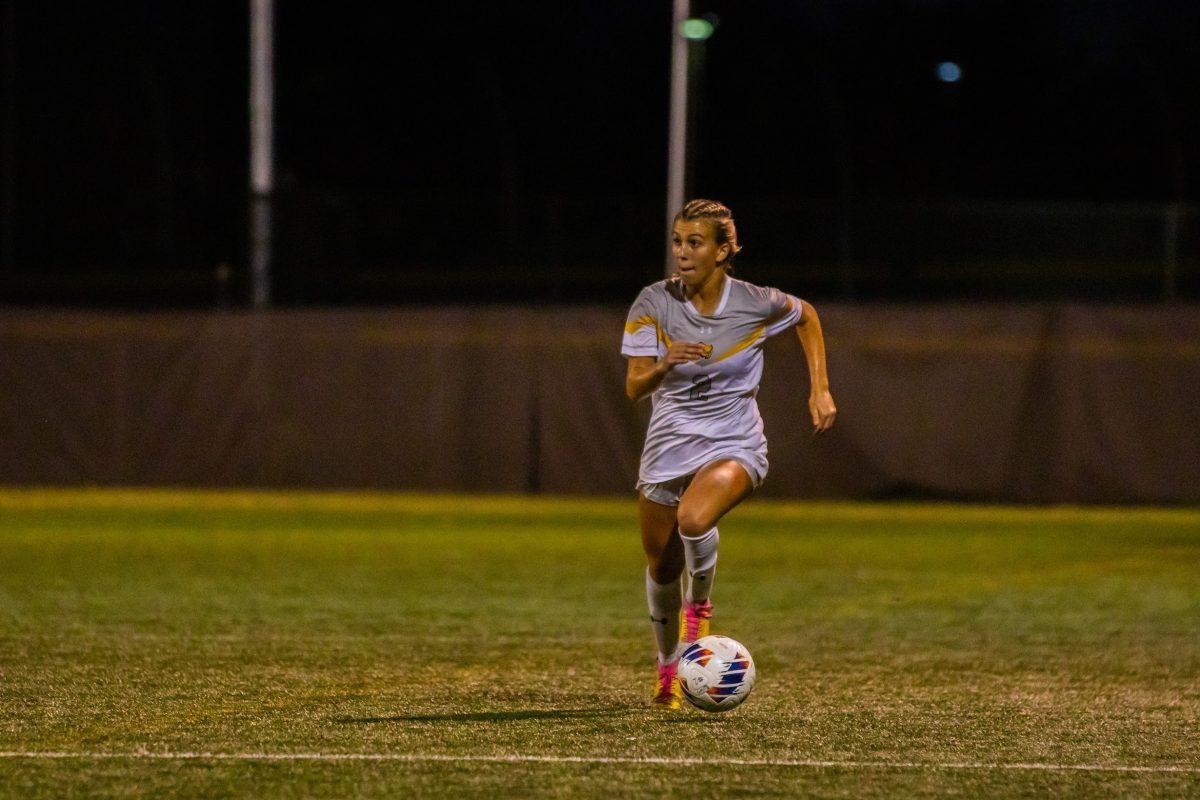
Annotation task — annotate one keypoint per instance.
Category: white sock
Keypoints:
(664, 602)
(700, 555)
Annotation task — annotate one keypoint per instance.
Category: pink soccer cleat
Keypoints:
(695, 622)
(667, 693)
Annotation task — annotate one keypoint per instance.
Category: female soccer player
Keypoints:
(694, 342)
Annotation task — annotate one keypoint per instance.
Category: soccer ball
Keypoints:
(716, 673)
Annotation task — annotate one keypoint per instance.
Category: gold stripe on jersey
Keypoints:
(743, 344)
(640, 322)
(752, 338)
(643, 321)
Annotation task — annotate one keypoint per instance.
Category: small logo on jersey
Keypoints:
(662, 621)
(700, 387)
(707, 351)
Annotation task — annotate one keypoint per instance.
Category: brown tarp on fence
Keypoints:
(1042, 403)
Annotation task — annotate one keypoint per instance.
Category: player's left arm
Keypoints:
(820, 401)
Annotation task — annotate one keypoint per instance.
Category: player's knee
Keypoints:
(691, 522)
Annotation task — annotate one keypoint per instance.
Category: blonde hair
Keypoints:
(722, 221)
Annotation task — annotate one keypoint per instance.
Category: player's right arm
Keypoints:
(643, 374)
(643, 341)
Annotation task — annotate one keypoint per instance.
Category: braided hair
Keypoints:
(722, 222)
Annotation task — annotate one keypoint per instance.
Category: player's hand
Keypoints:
(683, 353)
(820, 404)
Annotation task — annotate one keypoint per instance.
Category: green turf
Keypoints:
(922, 636)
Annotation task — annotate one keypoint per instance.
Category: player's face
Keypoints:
(697, 254)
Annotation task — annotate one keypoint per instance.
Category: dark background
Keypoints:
(483, 152)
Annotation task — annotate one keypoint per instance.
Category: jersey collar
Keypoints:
(691, 307)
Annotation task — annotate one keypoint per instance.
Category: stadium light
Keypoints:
(696, 29)
(949, 72)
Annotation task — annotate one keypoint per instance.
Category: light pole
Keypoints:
(262, 151)
(686, 33)
(677, 137)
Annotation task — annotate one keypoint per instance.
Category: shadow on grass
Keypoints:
(692, 718)
(488, 716)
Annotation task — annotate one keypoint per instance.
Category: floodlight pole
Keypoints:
(262, 156)
(8, 156)
(677, 139)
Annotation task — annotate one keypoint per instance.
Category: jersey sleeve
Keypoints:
(783, 311)
(642, 326)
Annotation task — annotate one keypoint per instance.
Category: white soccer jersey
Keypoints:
(706, 410)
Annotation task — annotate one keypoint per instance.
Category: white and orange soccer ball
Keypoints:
(716, 673)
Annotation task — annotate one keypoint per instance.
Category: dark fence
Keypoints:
(1027, 403)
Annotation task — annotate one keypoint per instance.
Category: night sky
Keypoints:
(512, 151)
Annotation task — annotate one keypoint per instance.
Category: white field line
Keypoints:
(551, 759)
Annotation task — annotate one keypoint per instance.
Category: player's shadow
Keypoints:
(693, 719)
(488, 716)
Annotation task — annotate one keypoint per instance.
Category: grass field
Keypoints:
(287, 645)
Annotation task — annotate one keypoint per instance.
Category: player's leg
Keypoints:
(716, 489)
(664, 565)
